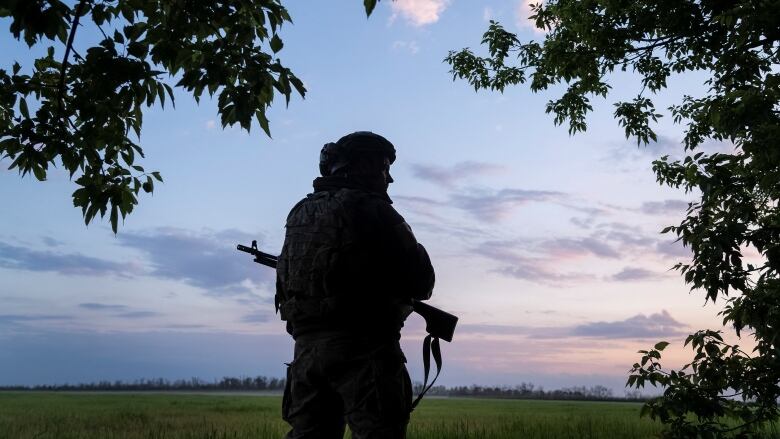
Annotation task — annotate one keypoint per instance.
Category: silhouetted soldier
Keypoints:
(348, 270)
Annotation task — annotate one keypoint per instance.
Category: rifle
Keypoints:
(439, 324)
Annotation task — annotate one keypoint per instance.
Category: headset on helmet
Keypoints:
(335, 156)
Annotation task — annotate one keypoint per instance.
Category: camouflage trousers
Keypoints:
(338, 380)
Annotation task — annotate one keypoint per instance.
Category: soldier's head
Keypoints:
(362, 156)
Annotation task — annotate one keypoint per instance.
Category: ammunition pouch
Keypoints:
(295, 308)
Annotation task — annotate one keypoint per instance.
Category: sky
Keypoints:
(546, 246)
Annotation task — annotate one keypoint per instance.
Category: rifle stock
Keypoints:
(438, 323)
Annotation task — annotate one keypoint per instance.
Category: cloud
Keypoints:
(673, 248)
(137, 314)
(183, 326)
(574, 247)
(447, 176)
(495, 206)
(639, 326)
(207, 259)
(10, 324)
(424, 206)
(626, 238)
(410, 46)
(487, 329)
(533, 269)
(120, 311)
(583, 223)
(51, 242)
(211, 124)
(16, 318)
(630, 152)
(487, 13)
(523, 14)
(257, 317)
(634, 274)
(666, 207)
(20, 258)
(419, 12)
(666, 145)
(102, 307)
(632, 240)
(544, 260)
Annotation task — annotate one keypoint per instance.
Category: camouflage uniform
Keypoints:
(348, 270)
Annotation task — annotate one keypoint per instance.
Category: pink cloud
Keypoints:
(523, 13)
(419, 12)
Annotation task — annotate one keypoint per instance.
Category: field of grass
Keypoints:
(180, 416)
(28, 415)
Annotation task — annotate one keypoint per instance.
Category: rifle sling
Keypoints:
(430, 346)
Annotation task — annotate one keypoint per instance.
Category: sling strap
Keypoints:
(430, 346)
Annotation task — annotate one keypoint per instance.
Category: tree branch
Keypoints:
(68, 48)
(653, 46)
(760, 43)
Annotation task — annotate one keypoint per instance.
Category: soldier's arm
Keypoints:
(415, 262)
(409, 268)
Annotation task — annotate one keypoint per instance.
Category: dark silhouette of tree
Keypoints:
(723, 390)
(82, 106)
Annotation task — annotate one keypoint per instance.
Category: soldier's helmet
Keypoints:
(336, 156)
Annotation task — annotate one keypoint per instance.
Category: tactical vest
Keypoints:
(320, 233)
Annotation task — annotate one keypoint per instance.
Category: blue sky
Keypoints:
(545, 245)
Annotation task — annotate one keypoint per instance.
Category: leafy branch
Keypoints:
(723, 392)
(87, 107)
(68, 47)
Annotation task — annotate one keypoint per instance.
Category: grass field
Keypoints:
(180, 416)
(188, 416)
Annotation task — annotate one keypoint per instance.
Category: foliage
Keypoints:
(736, 44)
(81, 104)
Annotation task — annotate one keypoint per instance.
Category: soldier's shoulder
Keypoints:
(299, 205)
(379, 207)
(306, 205)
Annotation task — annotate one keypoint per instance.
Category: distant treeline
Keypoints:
(226, 383)
(531, 391)
(262, 383)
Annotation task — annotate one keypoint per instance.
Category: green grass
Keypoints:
(181, 416)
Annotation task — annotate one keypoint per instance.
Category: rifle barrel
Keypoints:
(260, 257)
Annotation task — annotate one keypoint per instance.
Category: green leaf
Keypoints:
(148, 185)
(369, 5)
(114, 218)
(23, 108)
(661, 345)
(263, 121)
(39, 172)
(276, 43)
